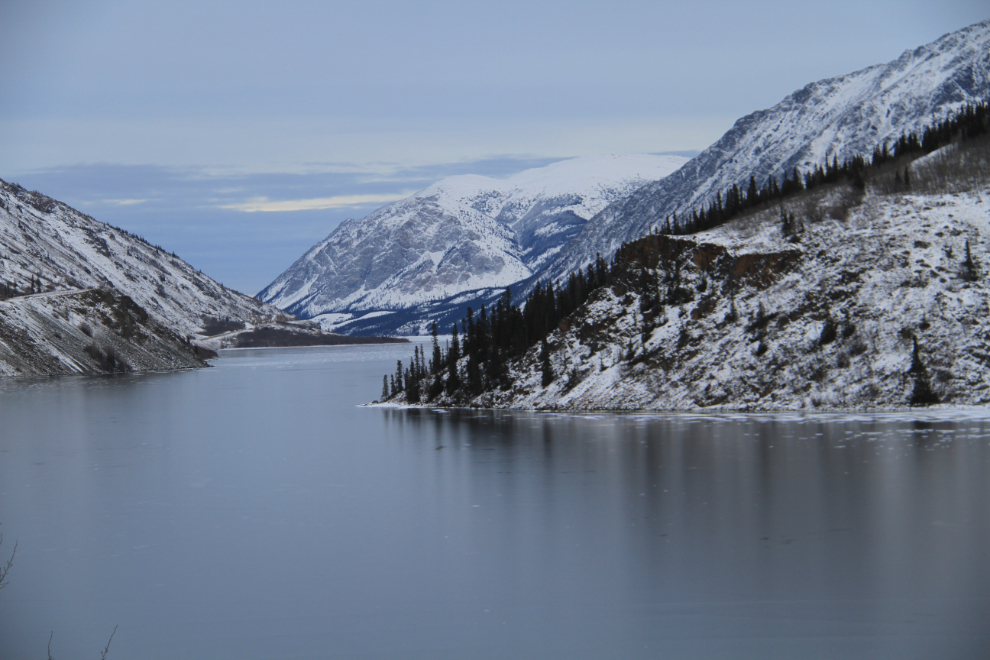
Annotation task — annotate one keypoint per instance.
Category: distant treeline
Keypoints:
(490, 339)
(970, 122)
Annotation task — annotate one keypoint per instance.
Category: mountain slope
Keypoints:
(871, 293)
(874, 311)
(834, 118)
(460, 234)
(46, 241)
(92, 331)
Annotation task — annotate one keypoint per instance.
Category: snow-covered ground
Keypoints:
(890, 274)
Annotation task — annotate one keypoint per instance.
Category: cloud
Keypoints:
(124, 202)
(265, 205)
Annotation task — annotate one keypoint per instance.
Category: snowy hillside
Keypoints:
(830, 322)
(868, 293)
(742, 318)
(45, 241)
(460, 234)
(837, 117)
(86, 332)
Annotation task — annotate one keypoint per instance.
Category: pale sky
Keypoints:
(238, 134)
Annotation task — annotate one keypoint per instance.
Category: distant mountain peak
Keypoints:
(462, 233)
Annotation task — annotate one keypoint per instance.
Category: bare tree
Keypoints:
(6, 567)
(3, 583)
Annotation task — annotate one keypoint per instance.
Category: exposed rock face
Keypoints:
(86, 332)
(44, 240)
(461, 234)
(838, 117)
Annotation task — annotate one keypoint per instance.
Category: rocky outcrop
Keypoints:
(864, 312)
(861, 301)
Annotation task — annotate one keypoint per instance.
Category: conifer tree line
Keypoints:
(970, 122)
(493, 337)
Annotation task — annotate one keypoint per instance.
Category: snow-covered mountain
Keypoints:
(55, 247)
(469, 233)
(460, 234)
(838, 117)
(875, 298)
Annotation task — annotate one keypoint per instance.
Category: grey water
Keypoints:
(254, 510)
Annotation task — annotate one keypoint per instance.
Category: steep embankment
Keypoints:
(86, 332)
(55, 261)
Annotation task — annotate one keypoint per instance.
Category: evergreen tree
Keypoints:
(384, 388)
(453, 355)
(412, 379)
(922, 394)
(786, 223)
(829, 329)
(970, 272)
(733, 315)
(546, 369)
(475, 384)
(436, 362)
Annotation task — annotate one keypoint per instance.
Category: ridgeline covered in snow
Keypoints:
(46, 245)
(72, 289)
(461, 235)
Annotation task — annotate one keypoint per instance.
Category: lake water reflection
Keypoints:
(254, 511)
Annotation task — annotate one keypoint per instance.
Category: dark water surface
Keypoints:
(253, 511)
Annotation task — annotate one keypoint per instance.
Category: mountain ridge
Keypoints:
(869, 291)
(459, 234)
(54, 247)
(837, 117)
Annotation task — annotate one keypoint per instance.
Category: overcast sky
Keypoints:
(238, 134)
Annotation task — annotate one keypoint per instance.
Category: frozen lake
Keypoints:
(253, 510)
